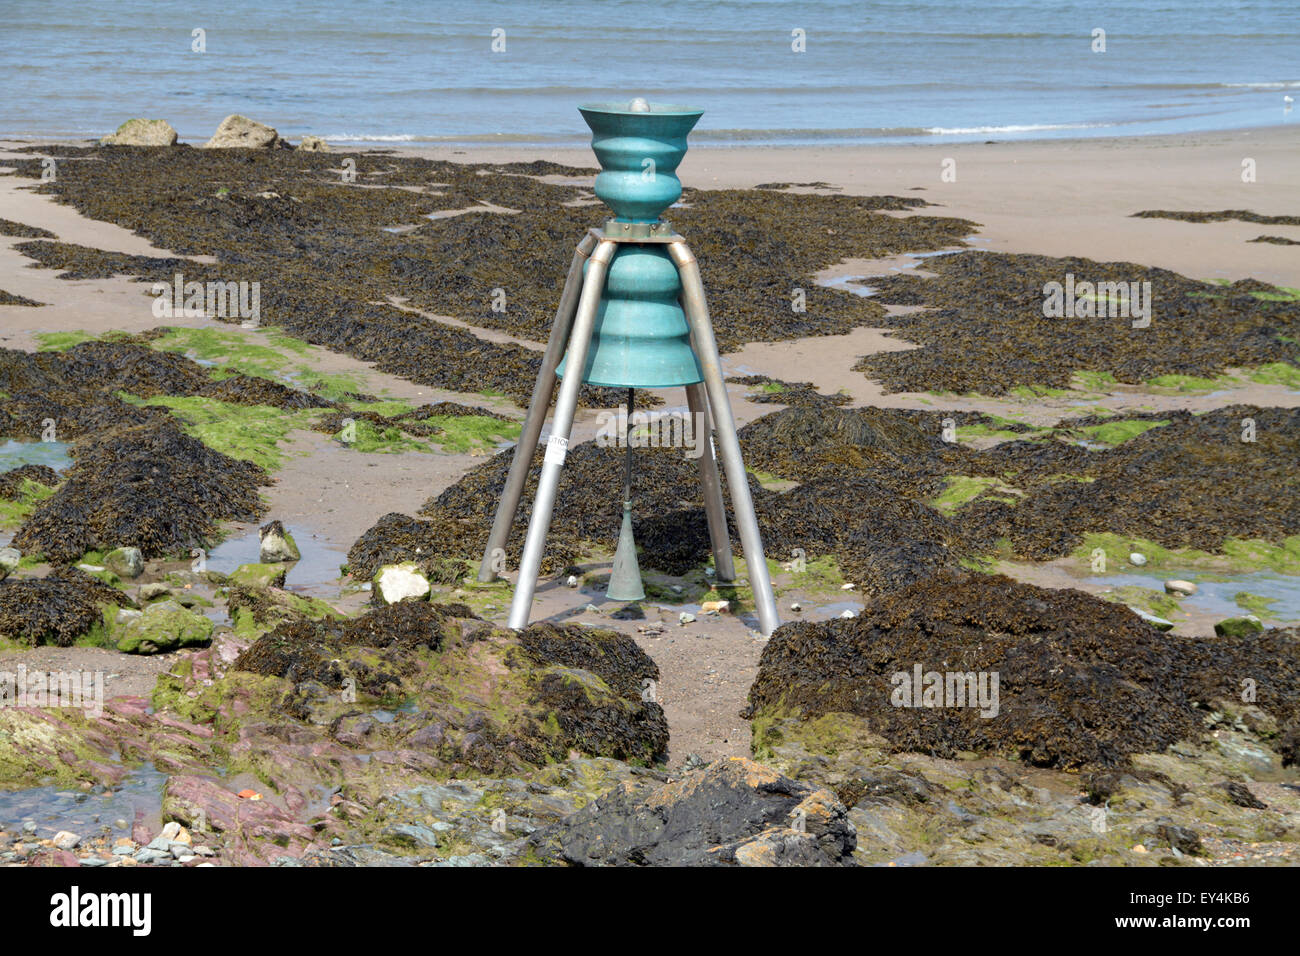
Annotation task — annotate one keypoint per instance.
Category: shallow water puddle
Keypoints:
(86, 812)
(1216, 593)
(14, 453)
(318, 569)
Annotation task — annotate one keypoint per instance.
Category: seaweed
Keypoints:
(1081, 682)
(985, 330)
(57, 609)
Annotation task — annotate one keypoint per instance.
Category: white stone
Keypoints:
(1137, 559)
(1184, 588)
(66, 840)
(396, 582)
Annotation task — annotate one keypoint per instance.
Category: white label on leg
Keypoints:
(556, 448)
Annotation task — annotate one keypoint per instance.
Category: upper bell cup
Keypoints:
(641, 339)
(639, 146)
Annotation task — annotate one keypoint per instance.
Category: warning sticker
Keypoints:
(556, 449)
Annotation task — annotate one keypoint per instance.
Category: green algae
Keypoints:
(1237, 555)
(250, 433)
(961, 489)
(461, 433)
(1256, 604)
(1116, 433)
(15, 510)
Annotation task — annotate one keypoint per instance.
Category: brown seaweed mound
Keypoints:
(11, 481)
(11, 298)
(1222, 215)
(801, 394)
(473, 696)
(150, 486)
(985, 330)
(1081, 681)
(329, 270)
(56, 609)
(23, 231)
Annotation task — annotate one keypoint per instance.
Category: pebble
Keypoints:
(846, 587)
(175, 833)
(714, 607)
(66, 839)
(796, 606)
(572, 581)
(1185, 588)
(1137, 559)
(686, 617)
(848, 614)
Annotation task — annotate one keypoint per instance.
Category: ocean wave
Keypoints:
(1026, 128)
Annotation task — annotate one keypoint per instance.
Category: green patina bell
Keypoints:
(641, 339)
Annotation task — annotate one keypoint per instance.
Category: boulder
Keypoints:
(1239, 626)
(1180, 587)
(141, 132)
(735, 811)
(240, 132)
(154, 590)
(9, 558)
(278, 544)
(163, 626)
(314, 144)
(125, 562)
(396, 582)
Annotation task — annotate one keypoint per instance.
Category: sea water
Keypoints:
(511, 72)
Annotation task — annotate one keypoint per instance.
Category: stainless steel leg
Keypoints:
(706, 346)
(566, 404)
(697, 404)
(526, 447)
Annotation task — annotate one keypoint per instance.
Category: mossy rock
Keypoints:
(125, 562)
(258, 576)
(1239, 626)
(163, 626)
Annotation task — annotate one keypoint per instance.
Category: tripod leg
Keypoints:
(556, 446)
(526, 447)
(697, 314)
(697, 403)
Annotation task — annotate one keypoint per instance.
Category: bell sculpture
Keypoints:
(632, 315)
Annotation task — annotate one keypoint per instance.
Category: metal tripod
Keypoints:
(575, 320)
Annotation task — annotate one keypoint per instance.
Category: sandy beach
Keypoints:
(1064, 198)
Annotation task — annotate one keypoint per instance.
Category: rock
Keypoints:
(396, 582)
(163, 626)
(173, 832)
(278, 544)
(141, 132)
(796, 606)
(1159, 623)
(846, 614)
(735, 812)
(714, 607)
(314, 144)
(1137, 560)
(1242, 796)
(240, 132)
(153, 591)
(846, 587)
(66, 840)
(1239, 626)
(125, 562)
(258, 576)
(9, 558)
(572, 581)
(686, 617)
(1181, 588)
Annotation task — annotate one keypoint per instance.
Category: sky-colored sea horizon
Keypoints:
(505, 72)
